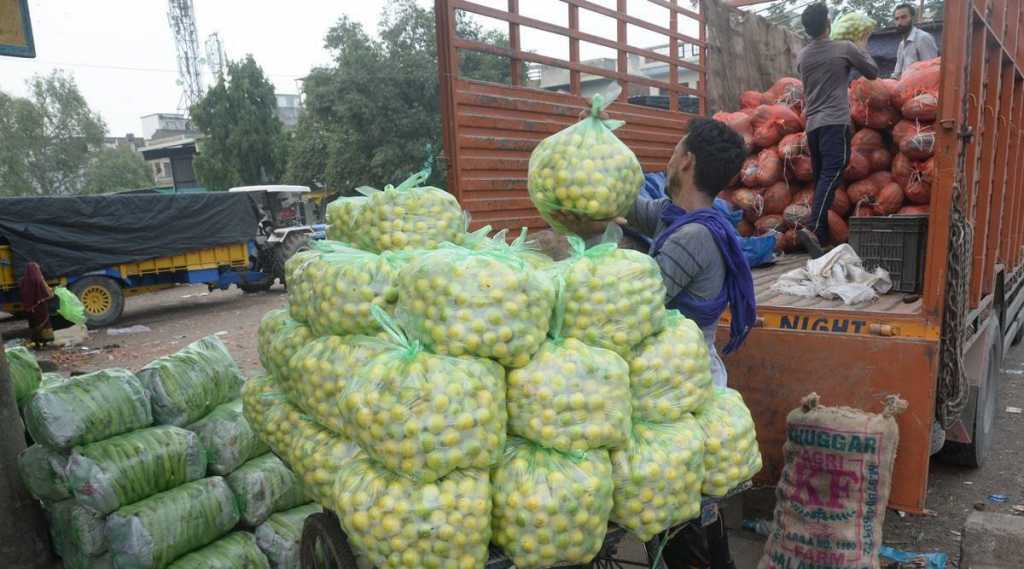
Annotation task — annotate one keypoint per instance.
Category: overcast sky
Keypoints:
(123, 57)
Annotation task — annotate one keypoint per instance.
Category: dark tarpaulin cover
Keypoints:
(74, 235)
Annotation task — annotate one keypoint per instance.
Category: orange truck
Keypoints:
(939, 349)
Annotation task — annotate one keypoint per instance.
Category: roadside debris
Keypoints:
(1018, 510)
(1014, 410)
(896, 559)
(998, 498)
(137, 329)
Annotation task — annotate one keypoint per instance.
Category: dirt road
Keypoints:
(182, 315)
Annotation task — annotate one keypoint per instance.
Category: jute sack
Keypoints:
(834, 489)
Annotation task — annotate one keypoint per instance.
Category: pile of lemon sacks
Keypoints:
(467, 391)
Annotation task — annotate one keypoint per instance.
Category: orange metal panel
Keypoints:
(775, 369)
(982, 266)
(1007, 252)
(999, 181)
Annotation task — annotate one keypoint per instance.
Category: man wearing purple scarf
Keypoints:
(701, 262)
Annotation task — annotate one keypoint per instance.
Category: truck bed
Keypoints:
(765, 277)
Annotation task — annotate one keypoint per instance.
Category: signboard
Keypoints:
(16, 29)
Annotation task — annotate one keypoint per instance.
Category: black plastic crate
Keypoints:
(896, 243)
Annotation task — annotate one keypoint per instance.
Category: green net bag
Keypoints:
(76, 530)
(152, 533)
(321, 370)
(550, 507)
(658, 477)
(257, 401)
(341, 218)
(281, 535)
(88, 408)
(571, 397)
(476, 303)
(334, 291)
(584, 170)
(265, 485)
(25, 373)
(270, 324)
(731, 454)
(44, 473)
(529, 251)
(122, 470)
(400, 523)
(852, 26)
(289, 339)
(228, 438)
(184, 387)
(614, 298)
(424, 415)
(408, 217)
(237, 550)
(526, 250)
(670, 372)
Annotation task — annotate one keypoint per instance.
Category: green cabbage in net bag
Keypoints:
(121, 470)
(570, 397)
(852, 26)
(584, 170)
(88, 408)
(289, 339)
(228, 438)
(670, 372)
(314, 453)
(44, 473)
(658, 476)
(25, 373)
(321, 370)
(265, 485)
(731, 454)
(152, 533)
(341, 218)
(336, 290)
(614, 298)
(237, 550)
(76, 530)
(550, 507)
(78, 561)
(184, 387)
(486, 304)
(270, 324)
(400, 523)
(422, 414)
(409, 217)
(281, 535)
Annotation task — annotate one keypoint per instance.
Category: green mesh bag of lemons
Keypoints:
(731, 454)
(550, 507)
(407, 217)
(422, 414)
(341, 218)
(485, 303)
(584, 170)
(670, 373)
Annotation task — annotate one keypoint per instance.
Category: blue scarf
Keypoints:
(738, 288)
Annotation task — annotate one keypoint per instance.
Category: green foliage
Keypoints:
(786, 13)
(48, 138)
(243, 143)
(115, 169)
(369, 115)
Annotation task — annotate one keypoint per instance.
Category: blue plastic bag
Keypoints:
(934, 560)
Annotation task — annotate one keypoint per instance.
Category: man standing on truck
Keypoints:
(824, 67)
(701, 262)
(916, 45)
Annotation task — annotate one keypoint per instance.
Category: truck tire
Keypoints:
(262, 285)
(324, 545)
(284, 250)
(986, 401)
(102, 298)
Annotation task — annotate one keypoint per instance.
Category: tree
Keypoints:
(47, 138)
(370, 116)
(787, 12)
(113, 169)
(243, 143)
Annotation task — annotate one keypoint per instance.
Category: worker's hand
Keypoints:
(583, 226)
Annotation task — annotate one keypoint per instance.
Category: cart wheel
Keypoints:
(324, 545)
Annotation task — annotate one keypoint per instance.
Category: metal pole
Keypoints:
(24, 541)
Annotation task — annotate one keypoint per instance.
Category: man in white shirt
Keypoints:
(916, 45)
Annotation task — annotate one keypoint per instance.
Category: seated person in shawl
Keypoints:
(694, 244)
